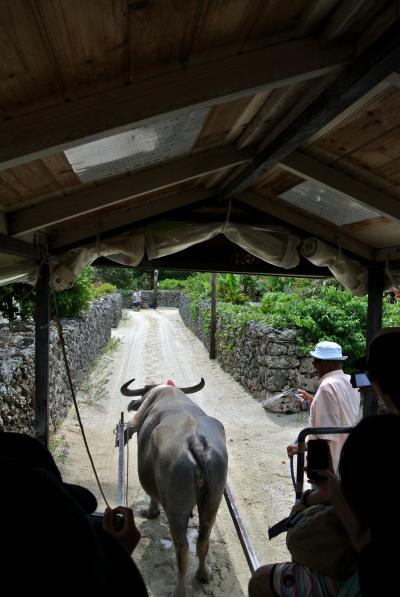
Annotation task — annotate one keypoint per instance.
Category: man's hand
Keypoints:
(305, 396)
(329, 489)
(128, 536)
(292, 449)
(298, 507)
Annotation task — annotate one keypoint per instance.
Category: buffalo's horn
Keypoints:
(193, 389)
(126, 392)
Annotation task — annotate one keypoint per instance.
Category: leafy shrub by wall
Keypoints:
(99, 290)
(320, 310)
(77, 298)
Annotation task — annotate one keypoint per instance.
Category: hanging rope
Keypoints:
(71, 385)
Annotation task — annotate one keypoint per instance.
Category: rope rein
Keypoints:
(71, 386)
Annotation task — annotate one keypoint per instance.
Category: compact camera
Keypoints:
(360, 380)
(118, 520)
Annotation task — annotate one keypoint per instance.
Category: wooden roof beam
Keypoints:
(117, 191)
(19, 248)
(270, 204)
(379, 60)
(311, 169)
(60, 127)
(121, 221)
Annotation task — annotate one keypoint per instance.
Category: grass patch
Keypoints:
(94, 388)
(59, 447)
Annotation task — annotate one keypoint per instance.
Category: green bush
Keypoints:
(230, 289)
(331, 314)
(171, 284)
(319, 309)
(99, 290)
(77, 298)
(17, 300)
(124, 278)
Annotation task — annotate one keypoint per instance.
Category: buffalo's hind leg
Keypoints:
(203, 573)
(178, 529)
(152, 511)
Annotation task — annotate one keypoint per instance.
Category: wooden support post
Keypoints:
(155, 287)
(374, 324)
(42, 320)
(213, 327)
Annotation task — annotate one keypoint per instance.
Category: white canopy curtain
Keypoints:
(272, 244)
(351, 274)
(126, 250)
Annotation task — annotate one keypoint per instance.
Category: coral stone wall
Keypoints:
(165, 298)
(263, 359)
(84, 337)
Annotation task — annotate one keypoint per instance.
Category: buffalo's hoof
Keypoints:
(204, 575)
(150, 513)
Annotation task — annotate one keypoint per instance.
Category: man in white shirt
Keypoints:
(137, 299)
(336, 403)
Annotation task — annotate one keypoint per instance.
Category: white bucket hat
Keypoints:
(328, 351)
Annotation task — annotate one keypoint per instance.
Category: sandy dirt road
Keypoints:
(155, 345)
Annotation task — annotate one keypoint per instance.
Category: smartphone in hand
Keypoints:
(318, 459)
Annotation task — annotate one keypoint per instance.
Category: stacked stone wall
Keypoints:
(165, 298)
(263, 360)
(85, 337)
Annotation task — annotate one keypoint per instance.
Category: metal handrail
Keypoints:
(302, 448)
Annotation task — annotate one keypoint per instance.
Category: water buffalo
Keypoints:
(182, 462)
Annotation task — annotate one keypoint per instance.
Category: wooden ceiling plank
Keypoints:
(245, 117)
(379, 60)
(153, 36)
(313, 15)
(277, 181)
(219, 122)
(346, 15)
(28, 75)
(113, 111)
(304, 99)
(355, 170)
(365, 125)
(322, 229)
(311, 169)
(376, 94)
(61, 170)
(380, 152)
(87, 43)
(116, 191)
(140, 209)
(225, 24)
(277, 19)
(274, 104)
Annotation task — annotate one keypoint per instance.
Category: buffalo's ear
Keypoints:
(135, 404)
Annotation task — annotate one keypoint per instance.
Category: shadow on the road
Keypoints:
(155, 558)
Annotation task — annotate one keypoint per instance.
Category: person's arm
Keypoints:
(128, 536)
(311, 497)
(330, 490)
(305, 396)
(292, 449)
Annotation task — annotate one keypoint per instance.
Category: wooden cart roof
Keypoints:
(115, 113)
